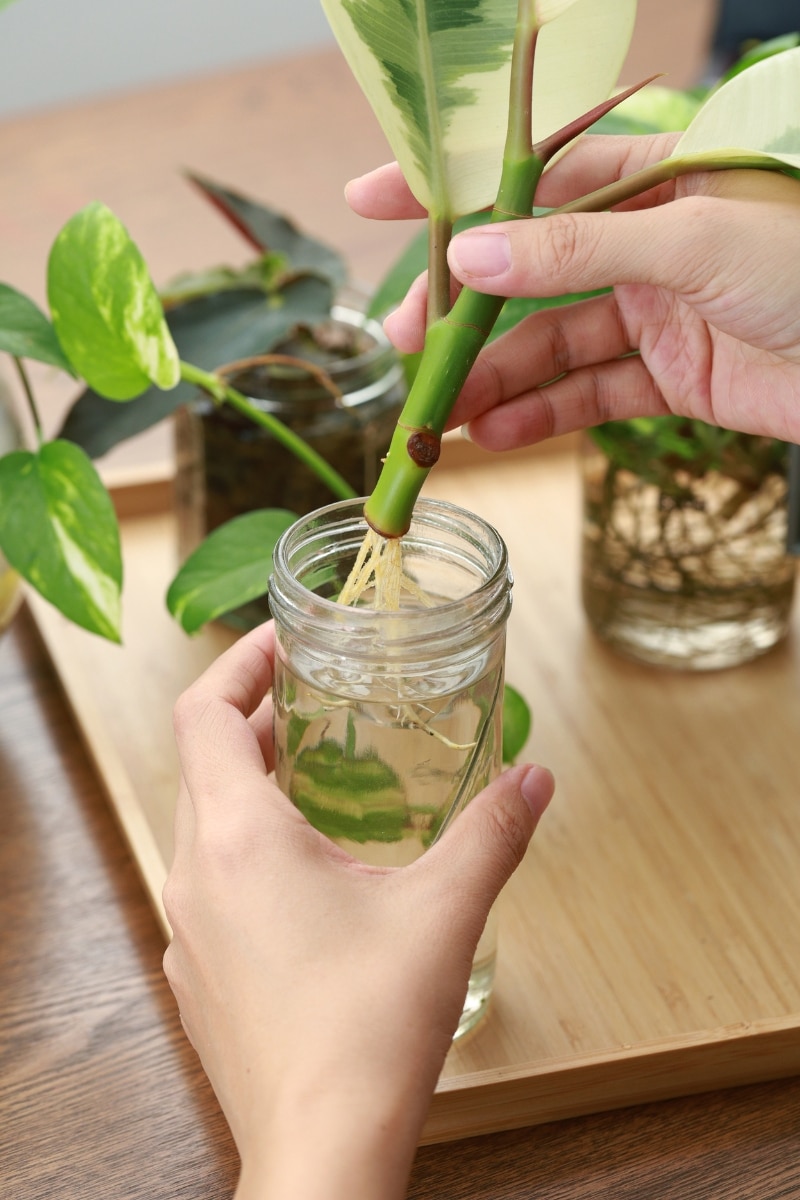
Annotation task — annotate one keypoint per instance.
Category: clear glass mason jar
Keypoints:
(685, 567)
(340, 386)
(388, 723)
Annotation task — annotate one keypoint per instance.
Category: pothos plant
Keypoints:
(476, 97)
(110, 328)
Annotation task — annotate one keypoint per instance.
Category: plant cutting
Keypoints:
(684, 547)
(747, 123)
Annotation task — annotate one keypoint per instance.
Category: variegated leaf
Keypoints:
(756, 113)
(437, 73)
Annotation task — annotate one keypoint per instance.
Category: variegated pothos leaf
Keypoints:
(437, 74)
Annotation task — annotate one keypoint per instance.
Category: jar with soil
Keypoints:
(684, 551)
(338, 384)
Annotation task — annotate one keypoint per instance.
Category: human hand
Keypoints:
(321, 994)
(704, 288)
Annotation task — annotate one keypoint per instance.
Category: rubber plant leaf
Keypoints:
(105, 308)
(26, 332)
(58, 529)
(437, 74)
(755, 117)
(272, 232)
(231, 567)
(208, 332)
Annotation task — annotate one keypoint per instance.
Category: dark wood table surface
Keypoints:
(100, 1095)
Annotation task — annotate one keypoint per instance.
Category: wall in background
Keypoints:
(55, 51)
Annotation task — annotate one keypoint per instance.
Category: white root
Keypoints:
(379, 564)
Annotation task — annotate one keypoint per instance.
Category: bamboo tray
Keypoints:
(650, 943)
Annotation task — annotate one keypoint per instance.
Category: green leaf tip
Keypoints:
(25, 331)
(517, 723)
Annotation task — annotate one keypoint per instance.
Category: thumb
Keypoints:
(576, 252)
(486, 843)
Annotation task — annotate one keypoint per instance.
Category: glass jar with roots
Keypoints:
(684, 554)
(387, 722)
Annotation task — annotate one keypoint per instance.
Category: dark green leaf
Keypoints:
(263, 275)
(105, 309)
(208, 332)
(516, 723)
(270, 231)
(26, 332)
(59, 530)
(231, 567)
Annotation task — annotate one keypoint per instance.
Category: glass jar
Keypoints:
(388, 723)
(339, 386)
(10, 582)
(684, 556)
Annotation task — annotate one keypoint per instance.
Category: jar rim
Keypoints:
(376, 369)
(472, 545)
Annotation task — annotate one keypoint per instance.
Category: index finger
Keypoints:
(594, 160)
(383, 195)
(212, 717)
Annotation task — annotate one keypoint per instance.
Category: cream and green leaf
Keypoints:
(751, 121)
(758, 111)
(437, 73)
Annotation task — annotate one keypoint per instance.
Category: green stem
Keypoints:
(29, 396)
(223, 393)
(454, 341)
(440, 230)
(615, 193)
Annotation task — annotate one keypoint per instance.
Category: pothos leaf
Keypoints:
(437, 75)
(231, 567)
(209, 332)
(26, 332)
(105, 309)
(58, 529)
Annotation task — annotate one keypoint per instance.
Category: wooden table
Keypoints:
(100, 1095)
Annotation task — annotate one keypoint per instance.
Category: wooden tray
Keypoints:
(650, 943)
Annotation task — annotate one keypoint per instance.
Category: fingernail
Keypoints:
(537, 788)
(480, 254)
(466, 434)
